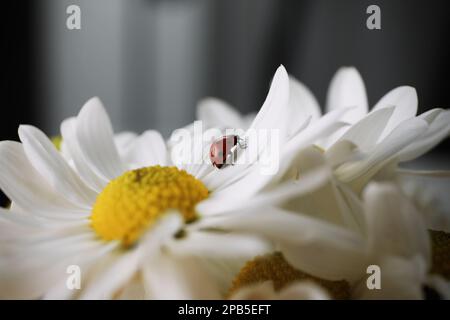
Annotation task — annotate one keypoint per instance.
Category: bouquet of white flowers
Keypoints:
(284, 204)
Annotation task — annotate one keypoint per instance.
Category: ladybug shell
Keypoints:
(220, 149)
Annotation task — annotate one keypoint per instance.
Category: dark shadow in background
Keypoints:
(314, 38)
(17, 47)
(251, 38)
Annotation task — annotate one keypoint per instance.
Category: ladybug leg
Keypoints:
(243, 142)
(233, 155)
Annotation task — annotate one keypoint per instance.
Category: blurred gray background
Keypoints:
(150, 61)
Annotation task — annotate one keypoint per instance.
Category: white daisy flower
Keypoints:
(124, 142)
(372, 144)
(369, 147)
(390, 133)
(216, 113)
(130, 220)
(398, 243)
(395, 239)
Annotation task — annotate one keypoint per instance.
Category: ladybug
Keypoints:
(222, 148)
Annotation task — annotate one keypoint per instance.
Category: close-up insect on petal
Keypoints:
(225, 151)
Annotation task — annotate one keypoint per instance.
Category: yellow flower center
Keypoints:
(57, 141)
(275, 268)
(441, 253)
(133, 202)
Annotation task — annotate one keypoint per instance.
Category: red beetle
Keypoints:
(221, 149)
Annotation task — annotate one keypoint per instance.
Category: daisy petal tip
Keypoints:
(410, 89)
(281, 74)
(66, 123)
(94, 104)
(348, 72)
(23, 128)
(204, 104)
(281, 67)
(25, 131)
(402, 93)
(94, 100)
(281, 81)
(410, 92)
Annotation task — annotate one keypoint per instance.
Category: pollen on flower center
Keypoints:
(273, 267)
(133, 202)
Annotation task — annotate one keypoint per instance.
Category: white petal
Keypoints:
(401, 137)
(13, 217)
(275, 106)
(298, 128)
(223, 271)
(133, 290)
(69, 136)
(121, 270)
(366, 132)
(21, 282)
(50, 164)
(123, 141)
(216, 245)
(341, 152)
(95, 136)
(161, 233)
(301, 290)
(248, 183)
(430, 195)
(258, 291)
(178, 279)
(193, 156)
(320, 130)
(248, 119)
(400, 279)
(14, 225)
(430, 115)
(302, 104)
(394, 226)
(351, 207)
(201, 169)
(148, 149)
(304, 290)
(124, 266)
(404, 99)
(34, 270)
(38, 245)
(232, 198)
(27, 188)
(61, 291)
(273, 115)
(218, 114)
(437, 131)
(311, 245)
(347, 90)
(219, 179)
(21, 227)
(337, 209)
